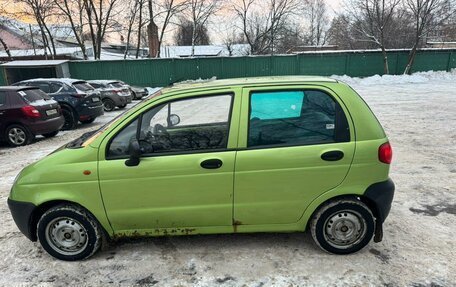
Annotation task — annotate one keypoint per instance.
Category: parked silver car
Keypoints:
(113, 94)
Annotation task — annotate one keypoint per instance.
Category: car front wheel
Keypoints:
(69, 233)
(343, 226)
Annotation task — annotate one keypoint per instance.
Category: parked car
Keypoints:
(111, 97)
(26, 112)
(139, 92)
(267, 154)
(115, 84)
(79, 101)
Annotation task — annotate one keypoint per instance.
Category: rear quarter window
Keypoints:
(33, 95)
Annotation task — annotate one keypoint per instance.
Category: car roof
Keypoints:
(62, 80)
(250, 81)
(15, 88)
(103, 81)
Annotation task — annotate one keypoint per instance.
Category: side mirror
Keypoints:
(173, 120)
(134, 151)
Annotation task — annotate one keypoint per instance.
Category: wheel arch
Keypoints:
(45, 206)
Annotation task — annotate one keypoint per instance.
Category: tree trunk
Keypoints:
(140, 24)
(5, 46)
(411, 59)
(385, 61)
(152, 31)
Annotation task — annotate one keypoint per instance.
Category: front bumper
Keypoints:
(22, 215)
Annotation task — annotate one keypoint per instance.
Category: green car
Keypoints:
(273, 154)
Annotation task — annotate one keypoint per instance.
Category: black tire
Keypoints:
(343, 226)
(18, 135)
(69, 233)
(122, 106)
(70, 119)
(89, 121)
(50, 135)
(108, 105)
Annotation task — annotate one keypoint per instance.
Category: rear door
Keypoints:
(296, 143)
(3, 111)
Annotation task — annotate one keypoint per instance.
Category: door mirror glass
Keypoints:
(173, 120)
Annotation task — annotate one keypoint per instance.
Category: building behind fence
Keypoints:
(162, 72)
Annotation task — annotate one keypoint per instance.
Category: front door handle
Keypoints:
(333, 155)
(212, 164)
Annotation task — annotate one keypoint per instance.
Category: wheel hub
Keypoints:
(66, 236)
(344, 229)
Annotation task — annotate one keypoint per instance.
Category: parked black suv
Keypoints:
(79, 101)
(26, 112)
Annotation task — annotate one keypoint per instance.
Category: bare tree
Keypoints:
(372, 19)
(3, 22)
(185, 36)
(426, 14)
(166, 11)
(73, 11)
(263, 23)
(41, 10)
(99, 16)
(133, 11)
(316, 13)
(199, 12)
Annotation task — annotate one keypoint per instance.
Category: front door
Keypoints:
(297, 145)
(185, 175)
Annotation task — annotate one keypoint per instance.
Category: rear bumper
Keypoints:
(381, 194)
(89, 112)
(46, 126)
(22, 215)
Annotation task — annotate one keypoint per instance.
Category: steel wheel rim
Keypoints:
(17, 136)
(66, 236)
(343, 229)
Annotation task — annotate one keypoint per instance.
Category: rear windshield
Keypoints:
(33, 95)
(82, 86)
(116, 84)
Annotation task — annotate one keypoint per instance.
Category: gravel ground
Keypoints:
(419, 248)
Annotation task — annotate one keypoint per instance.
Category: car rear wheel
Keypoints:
(51, 135)
(108, 105)
(69, 233)
(343, 226)
(70, 120)
(18, 135)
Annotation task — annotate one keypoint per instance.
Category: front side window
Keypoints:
(286, 118)
(194, 124)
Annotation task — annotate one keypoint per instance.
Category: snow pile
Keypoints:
(416, 78)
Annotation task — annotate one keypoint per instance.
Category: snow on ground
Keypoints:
(418, 113)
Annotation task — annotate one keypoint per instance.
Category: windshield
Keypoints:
(83, 86)
(33, 95)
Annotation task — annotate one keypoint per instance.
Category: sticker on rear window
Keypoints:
(330, 126)
(22, 93)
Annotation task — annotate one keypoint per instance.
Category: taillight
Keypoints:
(30, 112)
(385, 153)
(79, 96)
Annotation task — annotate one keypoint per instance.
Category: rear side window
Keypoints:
(33, 95)
(82, 86)
(287, 118)
(54, 88)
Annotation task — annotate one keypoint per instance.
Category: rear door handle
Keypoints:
(212, 163)
(333, 155)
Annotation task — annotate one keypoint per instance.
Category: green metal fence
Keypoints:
(162, 72)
